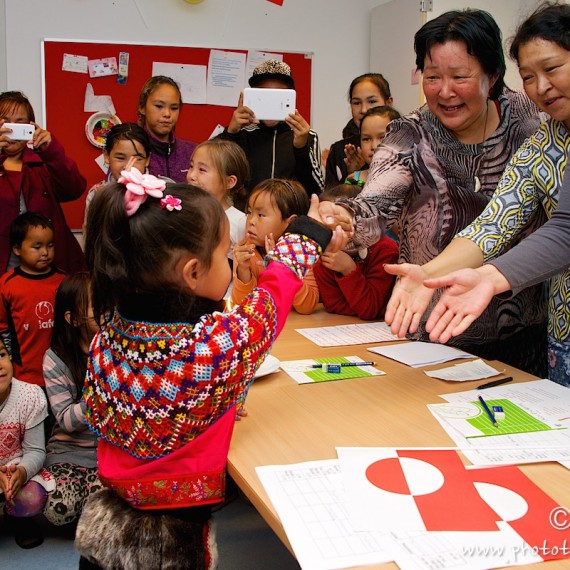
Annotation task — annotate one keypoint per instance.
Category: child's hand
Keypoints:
(269, 242)
(243, 254)
(130, 163)
(41, 139)
(242, 117)
(4, 478)
(16, 478)
(241, 413)
(300, 129)
(354, 159)
(338, 261)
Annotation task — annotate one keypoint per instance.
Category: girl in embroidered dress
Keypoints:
(167, 373)
(23, 483)
(72, 447)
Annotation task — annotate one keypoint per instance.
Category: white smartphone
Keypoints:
(270, 104)
(20, 131)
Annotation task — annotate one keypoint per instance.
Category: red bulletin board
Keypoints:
(64, 95)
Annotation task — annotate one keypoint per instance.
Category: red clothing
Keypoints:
(163, 396)
(48, 178)
(364, 292)
(26, 314)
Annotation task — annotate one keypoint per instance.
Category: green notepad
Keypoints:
(318, 375)
(516, 420)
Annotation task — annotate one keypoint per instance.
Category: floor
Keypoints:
(245, 542)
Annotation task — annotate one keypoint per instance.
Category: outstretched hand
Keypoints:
(466, 296)
(409, 300)
(340, 237)
(333, 215)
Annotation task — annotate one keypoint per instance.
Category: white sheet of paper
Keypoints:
(342, 335)
(190, 78)
(473, 370)
(218, 130)
(74, 63)
(226, 76)
(422, 550)
(100, 160)
(254, 58)
(311, 502)
(543, 398)
(417, 353)
(97, 103)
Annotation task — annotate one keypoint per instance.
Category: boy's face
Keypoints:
(6, 372)
(37, 250)
(263, 218)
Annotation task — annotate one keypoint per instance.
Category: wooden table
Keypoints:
(291, 423)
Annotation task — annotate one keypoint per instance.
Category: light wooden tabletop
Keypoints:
(291, 423)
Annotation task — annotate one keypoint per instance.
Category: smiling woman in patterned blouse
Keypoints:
(437, 169)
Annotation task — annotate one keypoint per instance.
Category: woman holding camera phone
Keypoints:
(36, 176)
(276, 149)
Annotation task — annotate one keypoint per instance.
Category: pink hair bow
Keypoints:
(139, 186)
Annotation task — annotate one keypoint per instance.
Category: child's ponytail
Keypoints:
(107, 247)
(138, 253)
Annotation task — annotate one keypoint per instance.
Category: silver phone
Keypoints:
(20, 131)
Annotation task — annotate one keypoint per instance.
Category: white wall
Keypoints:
(336, 31)
(391, 39)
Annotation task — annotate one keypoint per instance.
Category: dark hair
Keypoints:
(382, 111)
(71, 296)
(289, 196)
(21, 225)
(549, 22)
(127, 132)
(477, 30)
(340, 192)
(377, 78)
(229, 159)
(11, 99)
(150, 85)
(139, 253)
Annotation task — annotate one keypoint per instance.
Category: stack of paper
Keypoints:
(416, 354)
(342, 335)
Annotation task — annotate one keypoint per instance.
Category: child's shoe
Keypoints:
(26, 531)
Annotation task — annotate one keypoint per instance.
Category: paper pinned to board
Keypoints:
(97, 103)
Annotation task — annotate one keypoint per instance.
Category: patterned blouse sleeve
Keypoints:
(387, 188)
(511, 207)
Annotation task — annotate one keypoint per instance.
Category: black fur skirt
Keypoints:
(113, 535)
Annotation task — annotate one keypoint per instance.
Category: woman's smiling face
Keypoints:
(457, 90)
(544, 67)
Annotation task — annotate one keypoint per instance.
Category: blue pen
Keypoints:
(489, 412)
(343, 364)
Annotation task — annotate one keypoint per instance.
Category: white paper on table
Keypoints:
(421, 550)
(226, 76)
(97, 103)
(310, 500)
(473, 370)
(544, 399)
(297, 369)
(344, 335)
(417, 353)
(514, 449)
(190, 78)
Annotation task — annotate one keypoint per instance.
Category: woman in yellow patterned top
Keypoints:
(531, 182)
